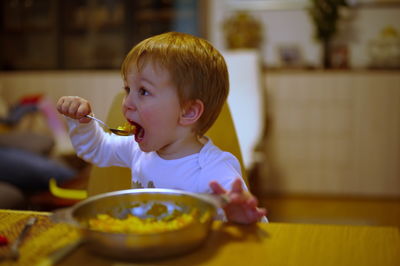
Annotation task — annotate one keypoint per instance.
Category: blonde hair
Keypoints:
(197, 69)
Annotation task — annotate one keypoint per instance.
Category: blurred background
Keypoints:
(315, 95)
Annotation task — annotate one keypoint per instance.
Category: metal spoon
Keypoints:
(119, 132)
(16, 244)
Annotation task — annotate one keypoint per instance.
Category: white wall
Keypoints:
(294, 26)
(99, 87)
(246, 100)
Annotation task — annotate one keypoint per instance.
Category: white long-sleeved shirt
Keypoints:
(191, 173)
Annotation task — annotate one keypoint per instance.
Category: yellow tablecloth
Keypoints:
(43, 238)
(261, 244)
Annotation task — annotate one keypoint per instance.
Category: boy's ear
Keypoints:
(191, 112)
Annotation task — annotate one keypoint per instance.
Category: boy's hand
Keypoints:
(74, 107)
(242, 206)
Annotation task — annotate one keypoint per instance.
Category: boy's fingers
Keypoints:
(60, 103)
(84, 120)
(262, 211)
(64, 106)
(73, 109)
(217, 188)
(237, 186)
(82, 110)
(252, 202)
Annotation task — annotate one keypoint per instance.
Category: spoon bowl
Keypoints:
(119, 132)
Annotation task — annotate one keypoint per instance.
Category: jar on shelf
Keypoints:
(384, 50)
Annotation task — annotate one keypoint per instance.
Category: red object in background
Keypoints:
(340, 57)
(3, 240)
(31, 99)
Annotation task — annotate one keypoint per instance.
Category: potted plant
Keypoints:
(325, 14)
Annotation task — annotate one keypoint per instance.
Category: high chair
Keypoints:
(106, 179)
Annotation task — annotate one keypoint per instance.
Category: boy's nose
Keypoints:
(129, 103)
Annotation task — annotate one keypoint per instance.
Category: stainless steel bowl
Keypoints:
(137, 201)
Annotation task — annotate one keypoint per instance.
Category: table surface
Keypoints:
(260, 244)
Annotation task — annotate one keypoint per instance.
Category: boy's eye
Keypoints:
(127, 89)
(143, 92)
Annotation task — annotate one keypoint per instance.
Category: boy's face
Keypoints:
(152, 104)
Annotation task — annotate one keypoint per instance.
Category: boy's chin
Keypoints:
(143, 148)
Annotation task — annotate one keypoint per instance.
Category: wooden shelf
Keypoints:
(111, 27)
(164, 14)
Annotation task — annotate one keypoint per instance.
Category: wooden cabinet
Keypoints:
(333, 133)
(86, 34)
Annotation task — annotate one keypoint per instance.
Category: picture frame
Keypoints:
(290, 55)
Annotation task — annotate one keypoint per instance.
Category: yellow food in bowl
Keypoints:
(135, 225)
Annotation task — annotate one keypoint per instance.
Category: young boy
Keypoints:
(176, 85)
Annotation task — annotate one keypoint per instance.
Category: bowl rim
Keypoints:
(208, 198)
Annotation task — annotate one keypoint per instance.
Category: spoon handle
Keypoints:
(98, 120)
(17, 243)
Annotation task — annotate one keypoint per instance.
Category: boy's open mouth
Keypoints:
(139, 135)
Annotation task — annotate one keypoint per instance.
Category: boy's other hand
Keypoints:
(242, 205)
(74, 107)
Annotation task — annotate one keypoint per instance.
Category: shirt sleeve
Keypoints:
(94, 145)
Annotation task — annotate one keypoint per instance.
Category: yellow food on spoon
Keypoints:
(128, 128)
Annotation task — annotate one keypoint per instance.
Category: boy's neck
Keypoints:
(181, 148)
